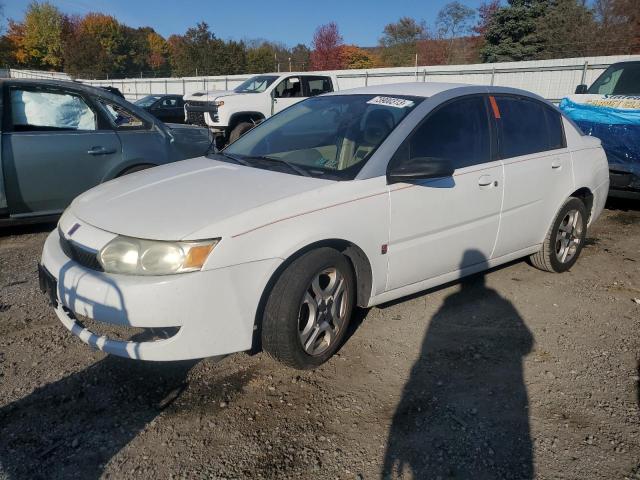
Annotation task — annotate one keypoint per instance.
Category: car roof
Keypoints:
(431, 89)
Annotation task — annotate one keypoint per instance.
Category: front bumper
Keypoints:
(213, 310)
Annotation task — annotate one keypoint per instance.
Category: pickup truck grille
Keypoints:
(196, 118)
(197, 103)
(82, 255)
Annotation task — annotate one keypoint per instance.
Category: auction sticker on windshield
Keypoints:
(391, 102)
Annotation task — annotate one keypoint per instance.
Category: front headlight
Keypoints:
(132, 256)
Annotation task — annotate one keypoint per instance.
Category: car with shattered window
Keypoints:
(60, 138)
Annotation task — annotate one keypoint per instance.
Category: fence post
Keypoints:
(366, 78)
(150, 92)
(183, 90)
(493, 75)
(584, 72)
(424, 75)
(226, 83)
(165, 86)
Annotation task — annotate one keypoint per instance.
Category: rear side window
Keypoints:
(319, 85)
(526, 126)
(458, 132)
(39, 110)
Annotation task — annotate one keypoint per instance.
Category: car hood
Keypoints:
(210, 95)
(171, 201)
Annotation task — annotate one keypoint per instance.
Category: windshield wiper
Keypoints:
(292, 166)
(236, 159)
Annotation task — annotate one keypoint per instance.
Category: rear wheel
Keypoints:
(239, 130)
(565, 239)
(308, 311)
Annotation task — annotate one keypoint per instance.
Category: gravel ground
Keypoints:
(516, 374)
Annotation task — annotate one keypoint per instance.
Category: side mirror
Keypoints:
(581, 89)
(419, 168)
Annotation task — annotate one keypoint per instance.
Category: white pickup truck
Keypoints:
(230, 113)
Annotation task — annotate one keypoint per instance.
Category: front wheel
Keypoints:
(308, 311)
(564, 240)
(239, 130)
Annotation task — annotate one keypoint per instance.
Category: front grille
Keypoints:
(196, 118)
(196, 103)
(79, 254)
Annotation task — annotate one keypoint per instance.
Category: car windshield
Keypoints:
(328, 137)
(622, 79)
(147, 101)
(256, 84)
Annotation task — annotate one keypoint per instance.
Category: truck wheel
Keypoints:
(564, 240)
(308, 311)
(239, 130)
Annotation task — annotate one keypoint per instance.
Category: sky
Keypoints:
(360, 21)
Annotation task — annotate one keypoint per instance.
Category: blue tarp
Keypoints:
(617, 128)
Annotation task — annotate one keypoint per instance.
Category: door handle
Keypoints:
(486, 181)
(101, 151)
(556, 164)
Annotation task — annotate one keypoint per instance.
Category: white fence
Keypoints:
(551, 79)
(18, 73)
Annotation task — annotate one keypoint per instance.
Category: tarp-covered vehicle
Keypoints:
(60, 138)
(610, 110)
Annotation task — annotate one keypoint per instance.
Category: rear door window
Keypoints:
(42, 110)
(458, 132)
(318, 85)
(526, 126)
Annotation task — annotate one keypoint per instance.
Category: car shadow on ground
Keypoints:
(464, 410)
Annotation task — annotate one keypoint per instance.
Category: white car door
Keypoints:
(537, 168)
(438, 226)
(286, 93)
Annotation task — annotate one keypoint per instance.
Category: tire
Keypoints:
(136, 168)
(239, 130)
(291, 332)
(564, 240)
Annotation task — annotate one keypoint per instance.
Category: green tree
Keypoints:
(42, 40)
(260, 59)
(567, 29)
(399, 41)
(512, 32)
(300, 57)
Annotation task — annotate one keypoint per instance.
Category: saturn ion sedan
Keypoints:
(348, 199)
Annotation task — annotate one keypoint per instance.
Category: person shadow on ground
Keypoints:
(464, 410)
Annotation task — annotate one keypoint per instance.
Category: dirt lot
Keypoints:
(512, 375)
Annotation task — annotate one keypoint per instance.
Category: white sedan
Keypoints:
(353, 198)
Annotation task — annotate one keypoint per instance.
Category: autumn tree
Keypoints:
(618, 26)
(327, 45)
(453, 22)
(39, 37)
(399, 41)
(356, 57)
